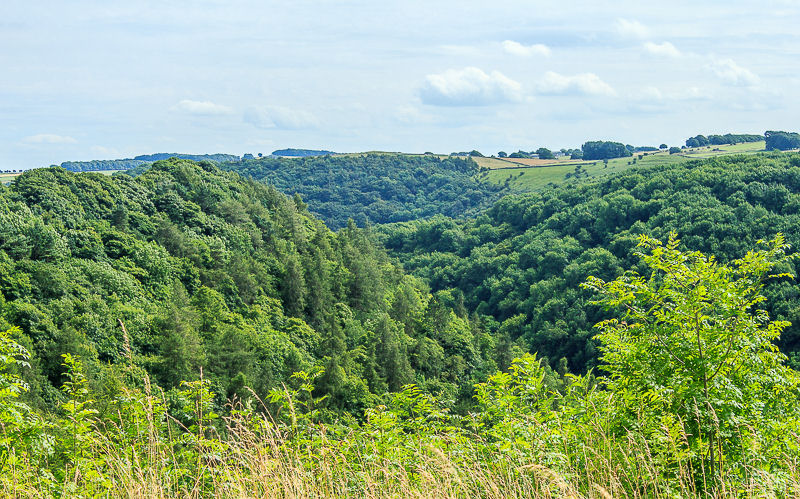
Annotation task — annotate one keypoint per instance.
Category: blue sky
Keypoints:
(104, 79)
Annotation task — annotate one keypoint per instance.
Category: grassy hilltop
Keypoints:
(509, 172)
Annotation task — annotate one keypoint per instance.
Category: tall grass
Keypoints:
(526, 438)
(248, 455)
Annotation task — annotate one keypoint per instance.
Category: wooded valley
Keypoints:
(188, 329)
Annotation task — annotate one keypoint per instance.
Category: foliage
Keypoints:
(599, 149)
(782, 141)
(728, 138)
(376, 188)
(519, 264)
(533, 434)
(212, 272)
(692, 343)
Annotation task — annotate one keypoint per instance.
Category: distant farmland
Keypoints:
(537, 173)
(7, 177)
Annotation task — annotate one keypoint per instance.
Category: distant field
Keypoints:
(510, 162)
(709, 151)
(7, 177)
(533, 178)
(495, 163)
(491, 163)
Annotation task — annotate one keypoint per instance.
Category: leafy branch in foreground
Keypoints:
(692, 342)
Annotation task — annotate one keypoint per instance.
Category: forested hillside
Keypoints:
(376, 188)
(520, 263)
(138, 161)
(210, 272)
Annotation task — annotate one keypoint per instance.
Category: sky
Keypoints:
(85, 79)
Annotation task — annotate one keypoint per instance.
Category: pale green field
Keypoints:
(491, 163)
(533, 178)
(496, 163)
(7, 177)
(709, 152)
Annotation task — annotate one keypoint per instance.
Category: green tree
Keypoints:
(782, 141)
(182, 351)
(599, 149)
(693, 342)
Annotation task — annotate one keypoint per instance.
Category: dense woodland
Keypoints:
(376, 188)
(520, 262)
(728, 138)
(208, 270)
(187, 331)
(782, 141)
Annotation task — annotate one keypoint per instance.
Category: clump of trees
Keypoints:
(728, 138)
(599, 149)
(782, 141)
(520, 154)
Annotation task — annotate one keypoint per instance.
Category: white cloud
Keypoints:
(648, 100)
(202, 108)
(469, 87)
(411, 115)
(516, 48)
(49, 138)
(733, 74)
(579, 84)
(280, 117)
(692, 93)
(629, 28)
(651, 94)
(665, 49)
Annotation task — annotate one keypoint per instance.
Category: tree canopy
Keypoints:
(599, 149)
(782, 141)
(518, 264)
(209, 271)
(377, 188)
